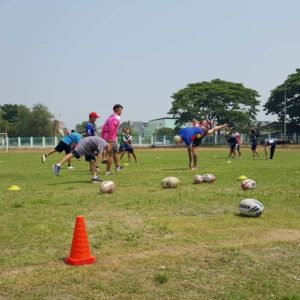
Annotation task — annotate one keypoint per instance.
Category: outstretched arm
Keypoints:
(217, 128)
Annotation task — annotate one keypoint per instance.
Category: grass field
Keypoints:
(151, 243)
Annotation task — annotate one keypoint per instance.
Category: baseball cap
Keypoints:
(93, 115)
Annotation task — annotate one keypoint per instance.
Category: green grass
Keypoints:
(152, 243)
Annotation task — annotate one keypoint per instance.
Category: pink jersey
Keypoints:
(110, 128)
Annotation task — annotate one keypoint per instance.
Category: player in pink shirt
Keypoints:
(110, 134)
(238, 141)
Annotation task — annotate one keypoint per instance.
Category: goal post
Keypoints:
(4, 141)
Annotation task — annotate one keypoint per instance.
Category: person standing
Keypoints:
(232, 142)
(110, 134)
(253, 137)
(126, 145)
(90, 130)
(238, 142)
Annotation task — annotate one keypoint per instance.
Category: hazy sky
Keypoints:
(77, 56)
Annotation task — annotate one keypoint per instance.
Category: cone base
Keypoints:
(80, 262)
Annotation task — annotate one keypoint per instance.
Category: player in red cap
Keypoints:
(90, 130)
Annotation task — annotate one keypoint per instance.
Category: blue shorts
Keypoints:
(126, 147)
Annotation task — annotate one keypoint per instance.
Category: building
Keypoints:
(155, 124)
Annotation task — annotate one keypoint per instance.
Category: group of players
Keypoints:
(104, 148)
(95, 148)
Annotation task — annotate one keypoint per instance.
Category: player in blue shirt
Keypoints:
(90, 130)
(192, 137)
(66, 144)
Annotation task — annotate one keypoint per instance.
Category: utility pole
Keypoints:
(284, 114)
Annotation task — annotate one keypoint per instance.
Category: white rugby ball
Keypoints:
(251, 208)
(177, 139)
(209, 178)
(170, 182)
(107, 187)
(198, 179)
(248, 184)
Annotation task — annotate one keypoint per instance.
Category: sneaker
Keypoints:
(70, 167)
(96, 179)
(44, 158)
(119, 168)
(108, 173)
(56, 169)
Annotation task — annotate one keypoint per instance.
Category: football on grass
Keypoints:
(170, 182)
(198, 179)
(248, 184)
(209, 178)
(251, 208)
(107, 187)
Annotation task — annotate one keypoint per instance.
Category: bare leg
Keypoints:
(190, 158)
(51, 152)
(65, 158)
(134, 156)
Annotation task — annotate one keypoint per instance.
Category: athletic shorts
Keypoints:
(232, 147)
(126, 147)
(61, 146)
(253, 146)
(197, 142)
(89, 157)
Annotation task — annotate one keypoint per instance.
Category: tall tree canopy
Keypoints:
(289, 90)
(219, 100)
(19, 120)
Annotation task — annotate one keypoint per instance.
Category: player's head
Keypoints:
(93, 116)
(118, 108)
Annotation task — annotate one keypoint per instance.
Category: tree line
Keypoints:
(218, 100)
(232, 103)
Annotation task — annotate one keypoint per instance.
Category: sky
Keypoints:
(78, 56)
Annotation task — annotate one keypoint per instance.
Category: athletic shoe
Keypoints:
(96, 180)
(108, 173)
(56, 169)
(70, 167)
(119, 168)
(44, 158)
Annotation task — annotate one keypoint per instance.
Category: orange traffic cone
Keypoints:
(80, 251)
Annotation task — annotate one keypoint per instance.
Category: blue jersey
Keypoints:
(89, 129)
(72, 138)
(189, 134)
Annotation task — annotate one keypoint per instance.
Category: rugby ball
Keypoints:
(251, 208)
(198, 179)
(177, 139)
(107, 187)
(248, 184)
(170, 182)
(209, 178)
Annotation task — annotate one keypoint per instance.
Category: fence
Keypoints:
(138, 141)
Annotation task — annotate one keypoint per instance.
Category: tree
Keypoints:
(80, 128)
(289, 90)
(218, 100)
(16, 118)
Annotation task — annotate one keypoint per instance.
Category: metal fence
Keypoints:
(138, 141)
